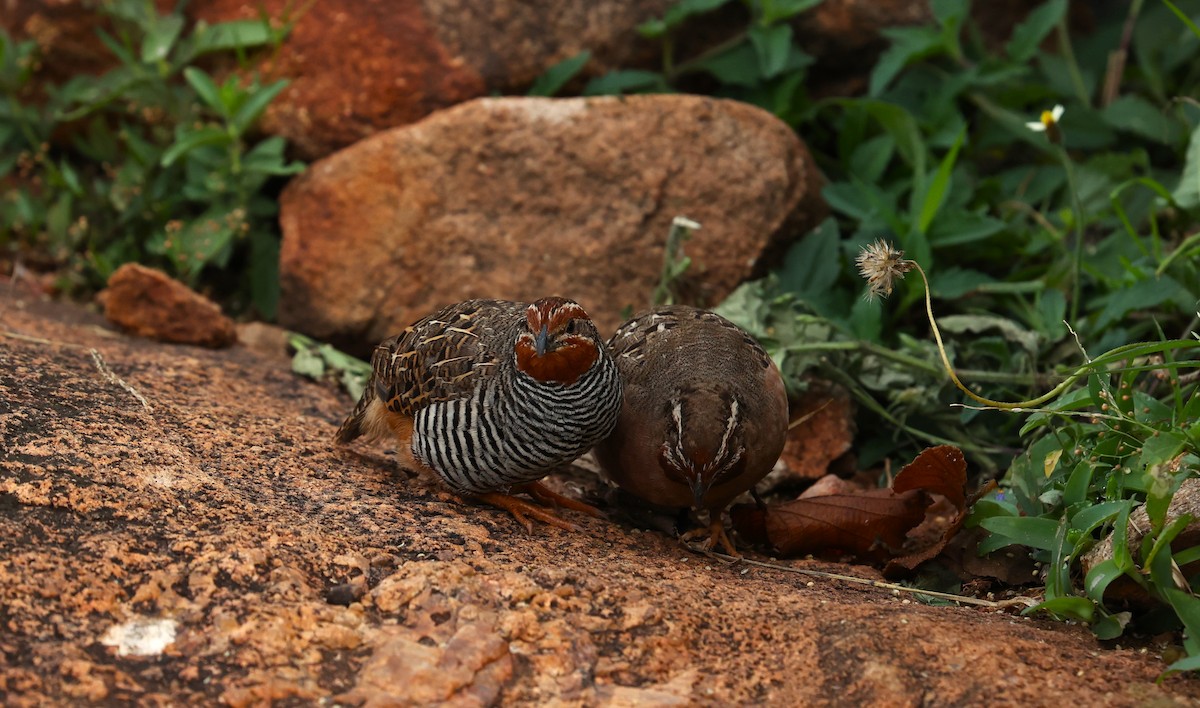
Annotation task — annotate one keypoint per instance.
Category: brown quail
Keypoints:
(492, 395)
(704, 417)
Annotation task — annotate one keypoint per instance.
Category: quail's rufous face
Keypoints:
(558, 344)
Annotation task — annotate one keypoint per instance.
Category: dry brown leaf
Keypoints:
(873, 523)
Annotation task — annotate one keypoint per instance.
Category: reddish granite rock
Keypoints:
(520, 198)
(222, 511)
(149, 303)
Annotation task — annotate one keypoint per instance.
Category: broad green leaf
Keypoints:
(553, 79)
(908, 44)
(1187, 607)
(202, 239)
(1112, 626)
(193, 139)
(626, 81)
(954, 282)
(1189, 663)
(932, 199)
(227, 36)
(871, 158)
(975, 324)
(263, 272)
(954, 227)
(900, 124)
(1142, 295)
(1136, 115)
(1078, 608)
(1183, 17)
(811, 264)
(1029, 34)
(1029, 531)
(1161, 447)
(254, 106)
(1078, 483)
(737, 66)
(1087, 520)
(772, 44)
(206, 89)
(1100, 577)
(161, 38)
(777, 10)
(1187, 194)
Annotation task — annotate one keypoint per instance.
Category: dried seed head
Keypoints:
(882, 265)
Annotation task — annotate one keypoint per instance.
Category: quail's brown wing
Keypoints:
(443, 356)
(643, 331)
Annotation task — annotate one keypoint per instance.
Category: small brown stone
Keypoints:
(149, 303)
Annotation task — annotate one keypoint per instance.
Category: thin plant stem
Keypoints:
(1077, 231)
(1068, 52)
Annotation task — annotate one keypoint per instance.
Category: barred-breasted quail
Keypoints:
(705, 412)
(492, 395)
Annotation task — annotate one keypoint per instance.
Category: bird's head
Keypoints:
(704, 445)
(557, 342)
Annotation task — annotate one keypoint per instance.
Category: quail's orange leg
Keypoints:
(523, 510)
(716, 536)
(540, 492)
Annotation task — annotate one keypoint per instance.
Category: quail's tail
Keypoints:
(355, 425)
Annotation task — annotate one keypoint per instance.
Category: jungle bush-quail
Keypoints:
(492, 395)
(704, 417)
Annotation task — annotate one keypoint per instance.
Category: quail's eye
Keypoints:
(573, 327)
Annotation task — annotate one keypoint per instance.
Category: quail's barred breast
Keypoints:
(478, 421)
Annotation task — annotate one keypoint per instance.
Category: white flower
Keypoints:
(1047, 121)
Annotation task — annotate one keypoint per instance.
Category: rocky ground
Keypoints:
(175, 526)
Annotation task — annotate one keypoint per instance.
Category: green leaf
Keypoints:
(202, 239)
(954, 227)
(1187, 194)
(1029, 531)
(811, 264)
(227, 36)
(1187, 607)
(206, 89)
(194, 139)
(626, 81)
(900, 124)
(553, 79)
(736, 66)
(1189, 663)
(1100, 577)
(254, 106)
(908, 44)
(1071, 607)
(307, 362)
(1136, 115)
(267, 157)
(1187, 21)
(161, 38)
(1161, 447)
(1037, 26)
(778, 10)
(1010, 330)
(772, 44)
(933, 199)
(1078, 483)
(1142, 295)
(1112, 626)
(263, 272)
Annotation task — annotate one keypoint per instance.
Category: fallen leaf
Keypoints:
(873, 523)
(938, 470)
